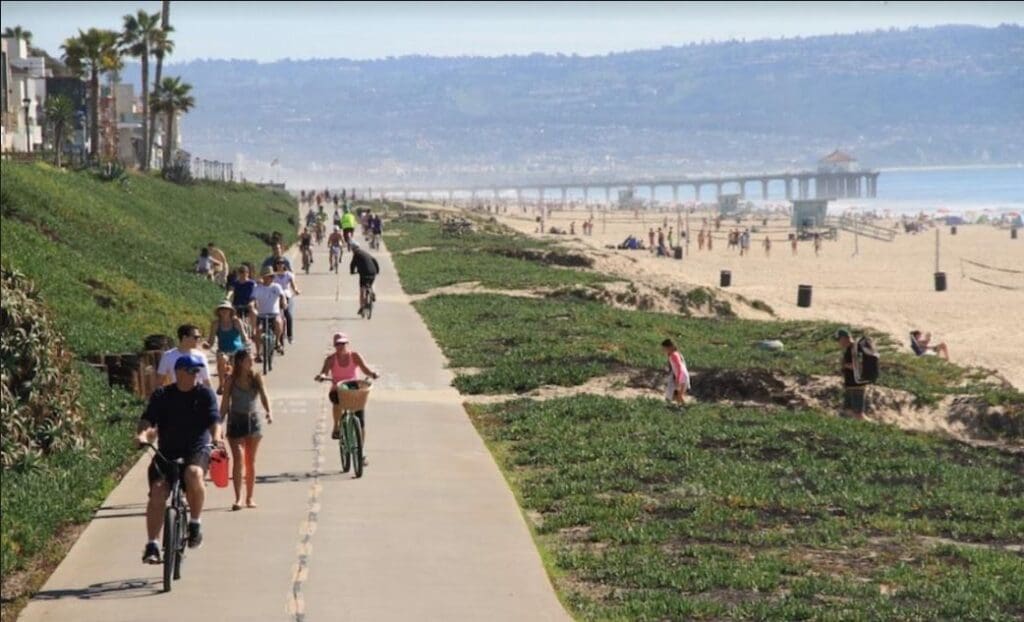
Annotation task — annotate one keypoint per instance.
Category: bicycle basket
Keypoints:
(353, 399)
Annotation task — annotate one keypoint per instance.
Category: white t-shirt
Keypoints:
(286, 280)
(268, 298)
(169, 358)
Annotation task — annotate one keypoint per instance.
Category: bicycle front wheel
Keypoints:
(170, 545)
(182, 540)
(343, 449)
(357, 446)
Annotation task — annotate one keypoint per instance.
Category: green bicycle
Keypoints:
(350, 442)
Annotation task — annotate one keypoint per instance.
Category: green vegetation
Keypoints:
(114, 261)
(724, 513)
(68, 486)
(647, 512)
(493, 256)
(111, 262)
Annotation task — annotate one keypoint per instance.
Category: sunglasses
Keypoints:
(192, 371)
(196, 336)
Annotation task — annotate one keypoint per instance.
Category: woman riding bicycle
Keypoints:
(229, 333)
(342, 368)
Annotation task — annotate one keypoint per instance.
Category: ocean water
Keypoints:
(955, 190)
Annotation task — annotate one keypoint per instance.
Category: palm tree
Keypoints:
(140, 32)
(19, 33)
(171, 98)
(60, 116)
(91, 53)
(162, 46)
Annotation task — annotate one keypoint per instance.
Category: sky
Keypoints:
(268, 31)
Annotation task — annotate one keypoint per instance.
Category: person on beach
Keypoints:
(921, 344)
(817, 244)
(700, 240)
(678, 376)
(793, 242)
(671, 238)
(710, 240)
(855, 394)
(229, 334)
(242, 422)
(767, 246)
(650, 237)
(572, 228)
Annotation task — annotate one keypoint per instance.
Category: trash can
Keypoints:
(677, 252)
(725, 278)
(1013, 233)
(952, 230)
(940, 281)
(803, 296)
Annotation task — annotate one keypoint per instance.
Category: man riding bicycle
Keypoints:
(348, 226)
(366, 265)
(270, 301)
(184, 417)
(376, 230)
(306, 246)
(310, 218)
(334, 244)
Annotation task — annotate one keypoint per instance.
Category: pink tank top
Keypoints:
(346, 373)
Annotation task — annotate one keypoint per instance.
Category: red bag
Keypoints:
(219, 463)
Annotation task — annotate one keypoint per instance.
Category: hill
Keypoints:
(93, 266)
(947, 95)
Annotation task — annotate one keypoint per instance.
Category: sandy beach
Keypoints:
(888, 286)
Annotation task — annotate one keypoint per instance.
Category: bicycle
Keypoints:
(307, 258)
(269, 341)
(350, 443)
(370, 297)
(175, 537)
(335, 258)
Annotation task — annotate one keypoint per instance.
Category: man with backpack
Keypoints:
(860, 369)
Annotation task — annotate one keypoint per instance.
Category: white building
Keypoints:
(24, 93)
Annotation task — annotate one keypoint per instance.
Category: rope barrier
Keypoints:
(981, 265)
(995, 284)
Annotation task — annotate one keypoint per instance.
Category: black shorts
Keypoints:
(242, 312)
(366, 280)
(241, 425)
(200, 459)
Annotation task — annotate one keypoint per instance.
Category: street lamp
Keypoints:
(27, 103)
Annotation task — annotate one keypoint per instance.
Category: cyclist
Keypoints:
(334, 244)
(286, 279)
(229, 333)
(188, 344)
(336, 219)
(376, 230)
(348, 226)
(342, 368)
(240, 292)
(306, 246)
(364, 220)
(277, 254)
(183, 416)
(270, 300)
(310, 218)
(366, 265)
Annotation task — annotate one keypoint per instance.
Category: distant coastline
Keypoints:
(948, 167)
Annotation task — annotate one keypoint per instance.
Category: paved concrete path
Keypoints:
(431, 531)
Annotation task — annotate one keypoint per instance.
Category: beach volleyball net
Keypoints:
(992, 276)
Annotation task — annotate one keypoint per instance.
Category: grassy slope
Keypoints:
(136, 244)
(642, 512)
(113, 260)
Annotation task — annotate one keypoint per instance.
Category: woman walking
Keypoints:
(238, 408)
(229, 333)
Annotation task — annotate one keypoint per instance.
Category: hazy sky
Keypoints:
(272, 30)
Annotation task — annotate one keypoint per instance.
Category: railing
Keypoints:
(213, 170)
(860, 227)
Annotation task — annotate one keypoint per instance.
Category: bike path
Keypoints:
(431, 532)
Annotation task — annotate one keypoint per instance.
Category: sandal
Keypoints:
(336, 434)
(236, 506)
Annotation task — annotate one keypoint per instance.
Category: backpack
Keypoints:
(868, 361)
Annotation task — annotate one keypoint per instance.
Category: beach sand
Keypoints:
(888, 286)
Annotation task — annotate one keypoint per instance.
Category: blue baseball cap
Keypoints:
(191, 362)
